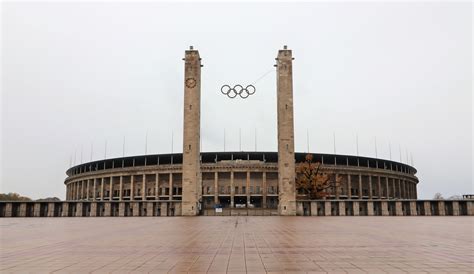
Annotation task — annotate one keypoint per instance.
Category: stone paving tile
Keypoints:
(237, 245)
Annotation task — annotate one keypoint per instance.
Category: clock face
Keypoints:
(190, 82)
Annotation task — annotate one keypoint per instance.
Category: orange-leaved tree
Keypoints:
(311, 182)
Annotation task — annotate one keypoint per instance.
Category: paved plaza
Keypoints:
(237, 245)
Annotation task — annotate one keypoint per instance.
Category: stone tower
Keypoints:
(286, 143)
(191, 133)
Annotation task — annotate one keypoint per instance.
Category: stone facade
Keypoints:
(191, 134)
(286, 142)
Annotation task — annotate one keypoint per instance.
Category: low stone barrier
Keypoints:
(385, 208)
(303, 208)
(90, 209)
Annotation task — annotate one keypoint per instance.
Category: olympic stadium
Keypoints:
(195, 181)
(237, 183)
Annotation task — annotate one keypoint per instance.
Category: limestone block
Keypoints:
(299, 209)
(177, 209)
(37, 210)
(122, 209)
(79, 209)
(22, 212)
(427, 207)
(385, 208)
(164, 209)
(355, 208)
(136, 209)
(398, 209)
(51, 209)
(327, 208)
(314, 209)
(370, 209)
(107, 209)
(413, 209)
(441, 209)
(93, 209)
(342, 208)
(8, 210)
(149, 209)
(65, 209)
(455, 208)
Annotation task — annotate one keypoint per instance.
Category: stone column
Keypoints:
(121, 188)
(157, 183)
(355, 208)
(327, 208)
(144, 188)
(136, 209)
(399, 189)
(37, 210)
(286, 143)
(22, 210)
(370, 208)
(216, 188)
(171, 186)
(385, 208)
(65, 209)
(360, 186)
(370, 187)
(314, 209)
(107, 209)
(164, 209)
(87, 189)
(9, 210)
(379, 186)
(111, 188)
(398, 208)
(149, 209)
(413, 209)
(122, 209)
(232, 190)
(264, 190)
(94, 209)
(82, 190)
(387, 188)
(51, 209)
(455, 208)
(102, 188)
(191, 133)
(247, 188)
(349, 187)
(299, 209)
(427, 208)
(94, 190)
(342, 208)
(132, 188)
(79, 209)
(441, 208)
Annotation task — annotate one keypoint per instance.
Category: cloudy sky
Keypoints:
(75, 76)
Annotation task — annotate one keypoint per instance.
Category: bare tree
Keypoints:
(438, 196)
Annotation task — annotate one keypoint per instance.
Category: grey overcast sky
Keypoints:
(76, 74)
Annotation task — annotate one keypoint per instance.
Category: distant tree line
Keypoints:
(17, 197)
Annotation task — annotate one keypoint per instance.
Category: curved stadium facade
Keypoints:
(233, 179)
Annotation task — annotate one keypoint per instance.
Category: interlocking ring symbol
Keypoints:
(238, 90)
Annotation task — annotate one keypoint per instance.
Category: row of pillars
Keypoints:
(381, 187)
(385, 208)
(96, 189)
(89, 209)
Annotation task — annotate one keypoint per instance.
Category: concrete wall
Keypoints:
(303, 208)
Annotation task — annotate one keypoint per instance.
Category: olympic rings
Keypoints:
(238, 90)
